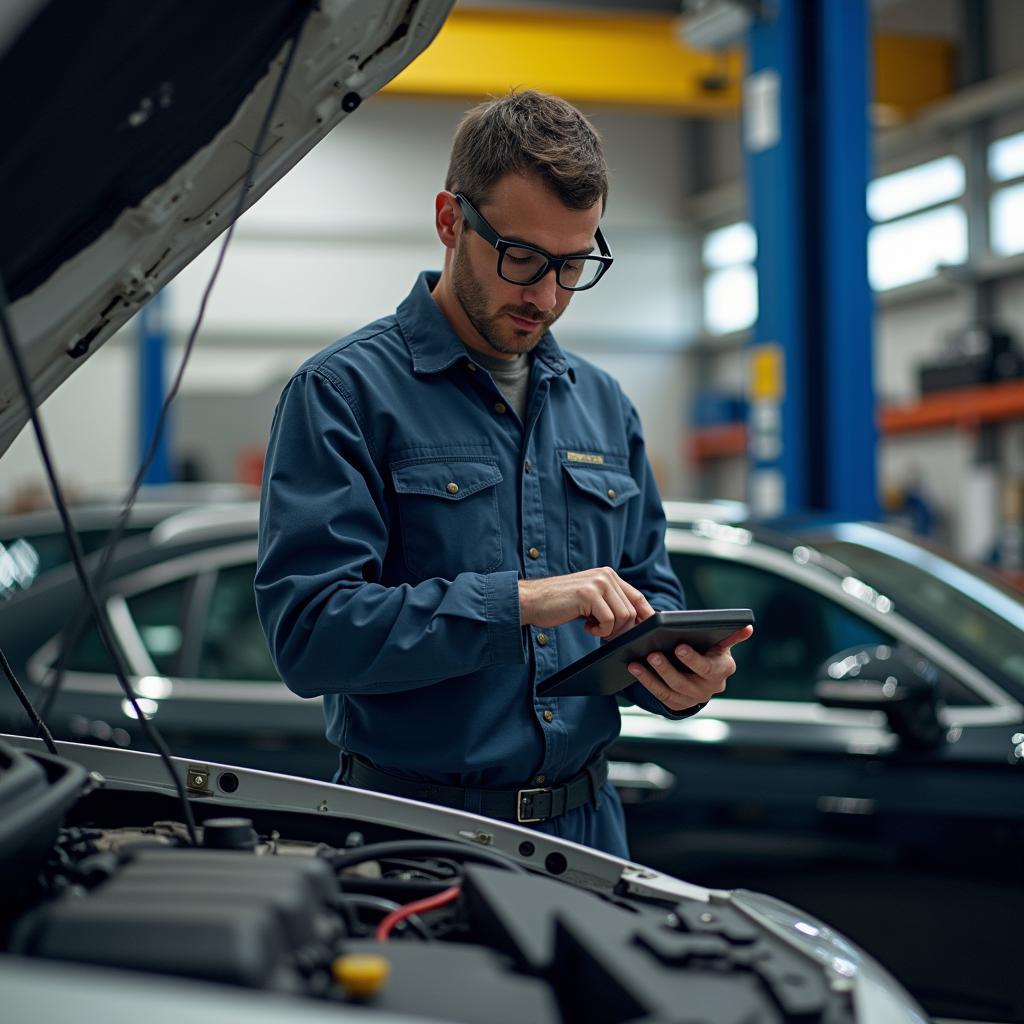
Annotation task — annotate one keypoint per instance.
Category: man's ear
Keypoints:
(447, 219)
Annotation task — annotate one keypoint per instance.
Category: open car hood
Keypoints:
(128, 132)
(254, 923)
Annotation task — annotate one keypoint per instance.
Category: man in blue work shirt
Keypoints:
(454, 508)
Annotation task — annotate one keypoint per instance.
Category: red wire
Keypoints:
(430, 903)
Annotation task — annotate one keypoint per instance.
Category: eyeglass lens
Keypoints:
(522, 266)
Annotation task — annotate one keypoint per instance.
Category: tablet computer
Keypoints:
(604, 671)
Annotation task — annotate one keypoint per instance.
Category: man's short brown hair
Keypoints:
(529, 132)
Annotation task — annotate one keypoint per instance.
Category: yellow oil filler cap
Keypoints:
(361, 975)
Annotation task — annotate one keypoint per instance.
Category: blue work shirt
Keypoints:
(402, 502)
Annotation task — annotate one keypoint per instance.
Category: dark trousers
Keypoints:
(603, 828)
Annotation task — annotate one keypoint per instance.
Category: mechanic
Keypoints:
(454, 508)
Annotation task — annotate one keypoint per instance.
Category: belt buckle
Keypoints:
(524, 805)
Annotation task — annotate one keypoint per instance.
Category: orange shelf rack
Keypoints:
(962, 408)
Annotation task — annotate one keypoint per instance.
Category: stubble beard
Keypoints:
(497, 330)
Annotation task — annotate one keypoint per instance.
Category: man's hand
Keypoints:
(708, 673)
(607, 602)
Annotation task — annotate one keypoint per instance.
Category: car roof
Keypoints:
(210, 522)
(717, 511)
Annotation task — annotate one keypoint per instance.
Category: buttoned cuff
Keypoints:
(639, 695)
(504, 628)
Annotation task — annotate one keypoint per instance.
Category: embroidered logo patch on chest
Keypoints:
(593, 460)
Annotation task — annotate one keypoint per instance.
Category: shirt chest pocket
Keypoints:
(448, 516)
(597, 504)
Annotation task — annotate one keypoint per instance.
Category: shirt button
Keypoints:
(533, 553)
(528, 467)
(500, 408)
(549, 716)
(452, 488)
(471, 367)
(611, 494)
(539, 780)
(542, 639)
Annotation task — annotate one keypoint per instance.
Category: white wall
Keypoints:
(916, 17)
(91, 427)
(338, 243)
(1006, 31)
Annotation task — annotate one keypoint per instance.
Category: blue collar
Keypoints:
(433, 343)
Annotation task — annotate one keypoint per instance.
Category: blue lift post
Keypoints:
(812, 428)
(152, 350)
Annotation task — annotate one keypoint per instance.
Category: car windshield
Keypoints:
(981, 618)
(23, 559)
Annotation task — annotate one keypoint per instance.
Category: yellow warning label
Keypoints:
(767, 382)
(594, 460)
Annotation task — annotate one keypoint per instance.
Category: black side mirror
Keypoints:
(897, 682)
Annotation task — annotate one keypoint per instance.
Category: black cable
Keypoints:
(102, 623)
(69, 636)
(22, 696)
(77, 556)
(425, 848)
(247, 183)
(401, 889)
(432, 868)
(385, 907)
(114, 537)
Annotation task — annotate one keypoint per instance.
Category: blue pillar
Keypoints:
(152, 355)
(813, 437)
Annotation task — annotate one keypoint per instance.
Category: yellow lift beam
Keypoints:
(633, 60)
(910, 73)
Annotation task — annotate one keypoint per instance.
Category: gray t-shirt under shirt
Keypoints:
(511, 375)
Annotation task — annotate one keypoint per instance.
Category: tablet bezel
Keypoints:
(603, 671)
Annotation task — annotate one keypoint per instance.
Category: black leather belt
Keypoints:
(525, 806)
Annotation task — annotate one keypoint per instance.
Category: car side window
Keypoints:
(158, 615)
(87, 652)
(233, 646)
(795, 628)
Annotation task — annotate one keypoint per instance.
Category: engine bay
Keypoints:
(383, 919)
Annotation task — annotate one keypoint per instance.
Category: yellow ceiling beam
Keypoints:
(910, 73)
(636, 60)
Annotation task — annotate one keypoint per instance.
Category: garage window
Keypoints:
(730, 281)
(1006, 213)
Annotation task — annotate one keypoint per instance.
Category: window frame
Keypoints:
(997, 707)
(206, 562)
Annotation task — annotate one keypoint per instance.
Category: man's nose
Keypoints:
(543, 293)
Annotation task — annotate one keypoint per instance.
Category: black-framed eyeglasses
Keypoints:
(522, 263)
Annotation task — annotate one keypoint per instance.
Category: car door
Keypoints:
(200, 667)
(767, 789)
(764, 776)
(251, 715)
